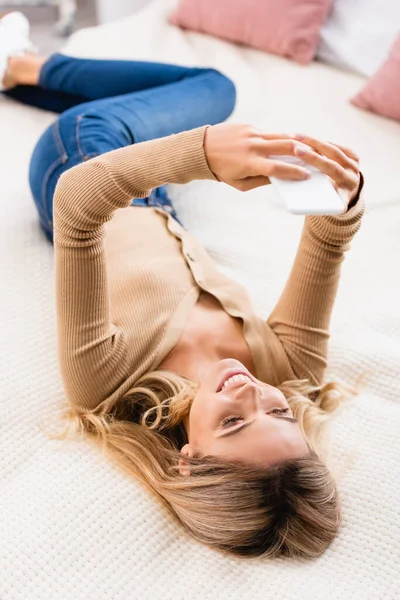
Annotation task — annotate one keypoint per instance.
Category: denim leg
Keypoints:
(96, 79)
(100, 126)
(207, 98)
(66, 81)
(50, 158)
(56, 153)
(49, 100)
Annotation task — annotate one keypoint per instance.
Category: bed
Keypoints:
(73, 525)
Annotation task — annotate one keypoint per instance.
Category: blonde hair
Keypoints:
(289, 509)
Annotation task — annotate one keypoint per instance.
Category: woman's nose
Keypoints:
(250, 392)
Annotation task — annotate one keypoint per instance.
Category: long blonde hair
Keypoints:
(289, 509)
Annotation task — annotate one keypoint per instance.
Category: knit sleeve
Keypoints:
(91, 349)
(302, 316)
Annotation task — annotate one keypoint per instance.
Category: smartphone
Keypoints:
(314, 196)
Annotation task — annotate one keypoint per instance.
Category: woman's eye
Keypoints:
(230, 420)
(279, 411)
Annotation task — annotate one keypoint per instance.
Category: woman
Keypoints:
(162, 357)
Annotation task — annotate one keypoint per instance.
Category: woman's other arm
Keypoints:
(239, 156)
(302, 316)
(92, 352)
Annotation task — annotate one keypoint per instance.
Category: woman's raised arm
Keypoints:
(92, 351)
(239, 155)
(302, 316)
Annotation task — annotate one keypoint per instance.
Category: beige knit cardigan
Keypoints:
(127, 277)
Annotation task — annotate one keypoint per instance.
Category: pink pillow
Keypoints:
(287, 27)
(381, 94)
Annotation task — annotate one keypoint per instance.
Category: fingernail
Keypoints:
(299, 136)
(307, 175)
(300, 151)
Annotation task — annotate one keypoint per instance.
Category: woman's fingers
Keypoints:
(314, 142)
(332, 151)
(250, 183)
(277, 146)
(331, 168)
(279, 169)
(350, 153)
(245, 158)
(274, 136)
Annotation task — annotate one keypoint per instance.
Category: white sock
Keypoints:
(14, 39)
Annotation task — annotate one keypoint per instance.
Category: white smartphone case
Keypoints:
(314, 196)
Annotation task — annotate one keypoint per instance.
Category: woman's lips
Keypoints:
(231, 372)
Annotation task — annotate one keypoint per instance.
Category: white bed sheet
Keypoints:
(73, 527)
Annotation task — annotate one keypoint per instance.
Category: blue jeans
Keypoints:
(107, 105)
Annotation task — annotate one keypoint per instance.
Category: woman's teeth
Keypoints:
(234, 378)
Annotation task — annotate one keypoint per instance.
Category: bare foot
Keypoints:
(8, 79)
(23, 70)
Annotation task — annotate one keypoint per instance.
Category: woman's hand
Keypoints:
(239, 156)
(337, 162)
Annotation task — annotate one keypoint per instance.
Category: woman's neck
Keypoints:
(210, 335)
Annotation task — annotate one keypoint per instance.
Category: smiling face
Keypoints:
(237, 417)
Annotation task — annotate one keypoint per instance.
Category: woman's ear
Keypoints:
(184, 467)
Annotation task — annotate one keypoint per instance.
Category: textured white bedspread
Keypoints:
(72, 526)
